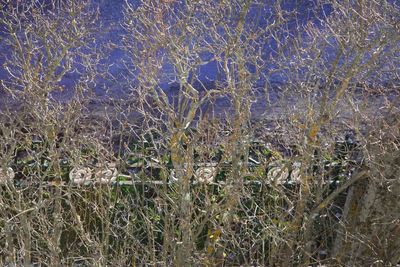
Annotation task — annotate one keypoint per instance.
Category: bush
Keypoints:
(275, 142)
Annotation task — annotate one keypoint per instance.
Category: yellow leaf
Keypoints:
(276, 155)
(313, 132)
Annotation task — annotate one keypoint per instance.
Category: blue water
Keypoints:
(122, 82)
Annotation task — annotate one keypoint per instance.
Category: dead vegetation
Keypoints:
(233, 171)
